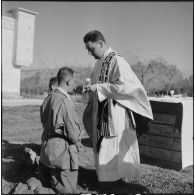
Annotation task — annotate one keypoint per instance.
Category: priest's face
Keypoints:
(95, 49)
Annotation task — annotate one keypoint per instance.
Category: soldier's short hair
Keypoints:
(53, 82)
(64, 73)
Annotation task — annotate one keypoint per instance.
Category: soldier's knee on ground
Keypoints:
(43, 190)
(64, 181)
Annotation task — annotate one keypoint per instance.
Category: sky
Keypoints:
(136, 30)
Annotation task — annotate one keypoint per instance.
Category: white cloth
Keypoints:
(119, 153)
(124, 87)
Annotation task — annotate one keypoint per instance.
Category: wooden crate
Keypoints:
(161, 146)
(168, 119)
(164, 130)
(161, 142)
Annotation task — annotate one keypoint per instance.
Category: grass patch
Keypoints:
(22, 128)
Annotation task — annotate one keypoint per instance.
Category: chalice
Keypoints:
(82, 88)
(86, 83)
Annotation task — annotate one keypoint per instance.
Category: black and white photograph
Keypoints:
(97, 97)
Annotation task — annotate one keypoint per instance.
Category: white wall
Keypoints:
(10, 73)
(24, 38)
(17, 48)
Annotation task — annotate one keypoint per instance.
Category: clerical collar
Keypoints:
(109, 50)
(64, 92)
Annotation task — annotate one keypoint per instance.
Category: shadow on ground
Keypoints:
(87, 179)
(15, 171)
(14, 168)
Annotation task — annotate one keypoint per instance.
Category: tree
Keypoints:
(171, 77)
(141, 71)
(186, 86)
(158, 75)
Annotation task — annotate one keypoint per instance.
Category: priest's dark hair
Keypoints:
(94, 36)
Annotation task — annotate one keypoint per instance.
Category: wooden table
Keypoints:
(169, 142)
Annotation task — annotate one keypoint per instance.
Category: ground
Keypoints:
(21, 128)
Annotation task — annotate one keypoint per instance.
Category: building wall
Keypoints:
(10, 72)
(17, 48)
(24, 39)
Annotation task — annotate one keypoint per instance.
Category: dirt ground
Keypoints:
(21, 128)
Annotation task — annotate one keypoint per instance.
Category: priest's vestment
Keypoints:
(115, 143)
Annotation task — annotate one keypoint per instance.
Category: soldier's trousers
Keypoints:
(61, 181)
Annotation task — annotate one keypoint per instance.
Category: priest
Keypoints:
(116, 95)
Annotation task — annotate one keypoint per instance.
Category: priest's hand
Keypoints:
(92, 88)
